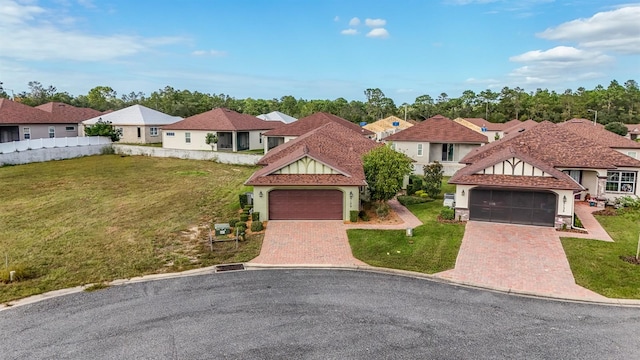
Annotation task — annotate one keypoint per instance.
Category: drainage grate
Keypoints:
(229, 267)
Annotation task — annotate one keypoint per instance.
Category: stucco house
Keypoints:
(51, 120)
(316, 176)
(493, 131)
(633, 131)
(387, 126)
(277, 116)
(437, 139)
(531, 177)
(138, 124)
(234, 131)
(291, 131)
(602, 136)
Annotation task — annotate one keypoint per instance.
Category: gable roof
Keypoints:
(12, 112)
(330, 144)
(439, 129)
(135, 115)
(65, 113)
(277, 116)
(599, 134)
(314, 121)
(519, 126)
(387, 124)
(633, 128)
(222, 119)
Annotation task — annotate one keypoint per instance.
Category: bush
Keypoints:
(363, 215)
(256, 226)
(233, 222)
(628, 201)
(244, 217)
(447, 213)
(248, 207)
(433, 179)
(419, 193)
(353, 215)
(255, 216)
(382, 210)
(410, 200)
(243, 200)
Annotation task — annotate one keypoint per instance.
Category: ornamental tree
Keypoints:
(103, 128)
(617, 128)
(384, 169)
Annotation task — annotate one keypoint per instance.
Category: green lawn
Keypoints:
(596, 265)
(433, 247)
(99, 218)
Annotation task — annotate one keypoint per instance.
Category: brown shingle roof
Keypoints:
(65, 113)
(222, 120)
(519, 126)
(511, 181)
(480, 122)
(311, 122)
(439, 129)
(331, 144)
(633, 128)
(12, 112)
(599, 134)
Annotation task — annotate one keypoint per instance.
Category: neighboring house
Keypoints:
(532, 177)
(437, 139)
(387, 126)
(602, 136)
(520, 126)
(634, 130)
(277, 116)
(493, 131)
(291, 131)
(52, 120)
(317, 176)
(233, 131)
(139, 124)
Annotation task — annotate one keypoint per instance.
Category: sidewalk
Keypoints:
(595, 231)
(409, 220)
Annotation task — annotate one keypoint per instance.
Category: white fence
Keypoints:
(24, 145)
(217, 156)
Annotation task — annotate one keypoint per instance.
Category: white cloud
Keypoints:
(354, 22)
(381, 33)
(375, 23)
(617, 30)
(213, 53)
(87, 4)
(349, 32)
(12, 12)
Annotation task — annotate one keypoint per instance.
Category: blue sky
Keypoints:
(322, 49)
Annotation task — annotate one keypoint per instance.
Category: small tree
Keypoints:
(211, 140)
(384, 169)
(617, 128)
(433, 179)
(103, 128)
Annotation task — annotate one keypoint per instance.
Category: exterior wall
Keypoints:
(433, 152)
(514, 166)
(255, 140)
(261, 203)
(48, 154)
(220, 157)
(634, 153)
(198, 139)
(41, 131)
(306, 165)
(130, 134)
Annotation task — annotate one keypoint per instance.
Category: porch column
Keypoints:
(234, 141)
(602, 183)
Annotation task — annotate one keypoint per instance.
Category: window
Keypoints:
(27, 133)
(621, 181)
(70, 128)
(139, 133)
(419, 149)
(170, 134)
(52, 132)
(187, 137)
(575, 175)
(447, 152)
(632, 154)
(153, 131)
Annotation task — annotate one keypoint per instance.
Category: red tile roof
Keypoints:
(311, 122)
(12, 112)
(439, 129)
(65, 113)
(222, 120)
(332, 144)
(599, 134)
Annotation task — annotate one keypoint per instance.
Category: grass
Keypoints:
(433, 247)
(96, 219)
(596, 265)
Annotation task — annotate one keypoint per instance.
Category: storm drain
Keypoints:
(229, 267)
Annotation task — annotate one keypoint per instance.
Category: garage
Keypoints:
(305, 205)
(513, 207)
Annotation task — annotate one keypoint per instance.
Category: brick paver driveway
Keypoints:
(302, 242)
(524, 259)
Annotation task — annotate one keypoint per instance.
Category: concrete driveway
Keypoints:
(519, 258)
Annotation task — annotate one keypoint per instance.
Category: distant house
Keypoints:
(634, 130)
(233, 131)
(138, 123)
(602, 136)
(277, 116)
(437, 139)
(291, 131)
(51, 120)
(387, 126)
(493, 131)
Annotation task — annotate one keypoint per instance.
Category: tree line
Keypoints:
(615, 103)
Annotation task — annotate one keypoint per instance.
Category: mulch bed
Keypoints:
(608, 211)
(578, 231)
(630, 259)
(447, 221)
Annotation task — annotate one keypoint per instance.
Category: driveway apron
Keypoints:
(518, 258)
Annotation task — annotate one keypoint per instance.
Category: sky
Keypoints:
(318, 49)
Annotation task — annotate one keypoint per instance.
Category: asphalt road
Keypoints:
(314, 314)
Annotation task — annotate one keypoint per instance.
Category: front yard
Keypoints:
(100, 218)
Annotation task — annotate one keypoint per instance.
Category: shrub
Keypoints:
(382, 210)
(353, 215)
(255, 216)
(433, 179)
(576, 222)
(419, 193)
(363, 215)
(243, 200)
(256, 226)
(248, 207)
(628, 201)
(233, 221)
(244, 217)
(410, 200)
(107, 150)
(447, 213)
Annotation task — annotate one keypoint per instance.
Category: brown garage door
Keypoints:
(305, 205)
(515, 207)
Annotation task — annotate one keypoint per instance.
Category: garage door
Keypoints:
(305, 205)
(514, 207)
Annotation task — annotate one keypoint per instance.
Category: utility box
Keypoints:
(449, 200)
(222, 229)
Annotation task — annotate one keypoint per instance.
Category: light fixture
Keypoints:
(564, 199)
(350, 194)
(260, 194)
(462, 192)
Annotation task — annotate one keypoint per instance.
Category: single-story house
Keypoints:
(277, 116)
(387, 126)
(51, 120)
(493, 131)
(138, 124)
(437, 139)
(291, 131)
(602, 136)
(634, 130)
(233, 131)
(532, 177)
(316, 176)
